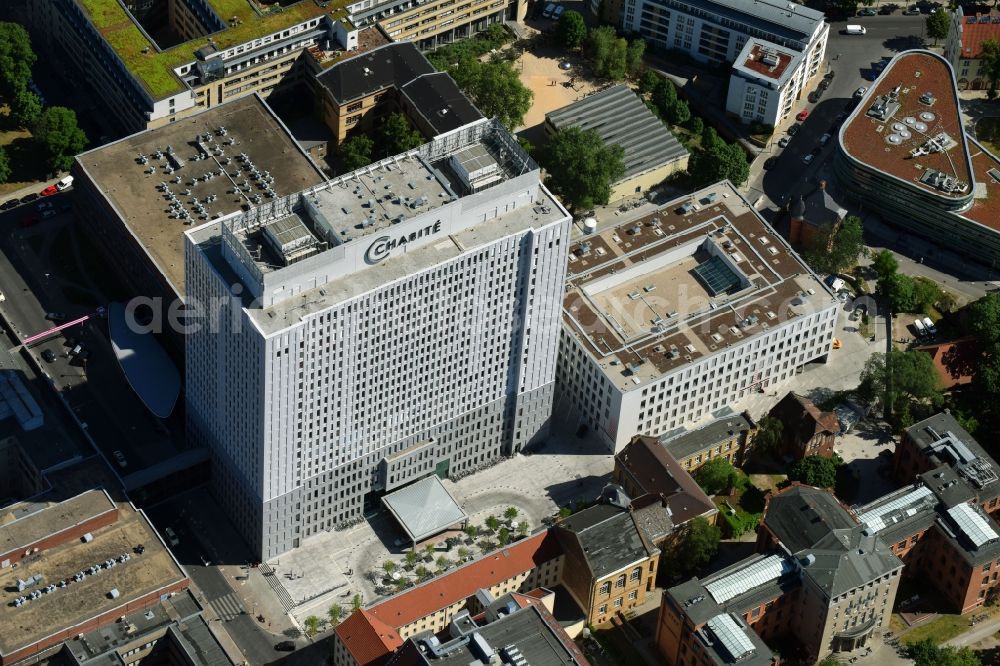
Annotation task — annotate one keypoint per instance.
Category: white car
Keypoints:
(808, 159)
(860, 92)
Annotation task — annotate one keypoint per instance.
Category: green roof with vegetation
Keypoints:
(155, 68)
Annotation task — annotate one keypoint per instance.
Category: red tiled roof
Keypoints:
(367, 638)
(462, 583)
(954, 361)
(974, 34)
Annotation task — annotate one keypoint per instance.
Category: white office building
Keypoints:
(765, 82)
(396, 322)
(683, 313)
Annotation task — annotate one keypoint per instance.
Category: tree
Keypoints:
(581, 168)
(492, 523)
(356, 602)
(423, 573)
(312, 625)
(984, 318)
(693, 548)
(716, 476)
(503, 536)
(57, 132)
(389, 566)
(897, 290)
(442, 563)
(497, 91)
(648, 82)
(607, 52)
(510, 513)
(335, 612)
(463, 552)
(411, 557)
(769, 431)
(989, 57)
(5, 169)
(472, 531)
(903, 378)
(398, 136)
(814, 471)
(925, 294)
(678, 113)
(357, 151)
(835, 250)
(429, 551)
(938, 25)
(633, 57)
(664, 95)
(696, 124)
(25, 108)
(884, 263)
(718, 160)
(571, 29)
(928, 653)
(16, 57)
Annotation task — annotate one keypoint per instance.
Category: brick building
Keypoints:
(806, 429)
(730, 437)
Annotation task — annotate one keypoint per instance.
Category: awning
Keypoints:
(424, 508)
(148, 369)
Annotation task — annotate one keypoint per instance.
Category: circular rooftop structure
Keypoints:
(927, 116)
(904, 133)
(910, 120)
(920, 127)
(894, 139)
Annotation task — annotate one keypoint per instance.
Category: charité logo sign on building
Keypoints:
(384, 245)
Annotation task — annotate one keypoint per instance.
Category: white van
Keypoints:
(64, 183)
(855, 30)
(919, 325)
(929, 325)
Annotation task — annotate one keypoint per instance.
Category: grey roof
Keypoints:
(728, 640)
(438, 99)
(802, 516)
(686, 443)
(524, 631)
(780, 19)
(694, 599)
(392, 65)
(424, 508)
(621, 118)
(607, 536)
(944, 441)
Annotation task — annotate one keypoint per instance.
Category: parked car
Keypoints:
(48, 355)
(49, 191)
(824, 139)
(285, 646)
(10, 203)
(549, 8)
(558, 12)
(55, 316)
(28, 198)
(120, 459)
(824, 84)
(171, 536)
(43, 205)
(867, 11)
(885, 10)
(47, 213)
(808, 159)
(860, 92)
(783, 141)
(793, 130)
(911, 11)
(802, 115)
(929, 325)
(830, 74)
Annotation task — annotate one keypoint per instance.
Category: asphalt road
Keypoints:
(850, 57)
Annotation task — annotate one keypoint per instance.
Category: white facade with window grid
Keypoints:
(341, 378)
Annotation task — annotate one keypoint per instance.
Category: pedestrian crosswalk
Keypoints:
(227, 606)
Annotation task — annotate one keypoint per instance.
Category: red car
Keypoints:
(801, 116)
(49, 191)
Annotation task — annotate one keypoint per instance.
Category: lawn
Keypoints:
(942, 628)
(27, 162)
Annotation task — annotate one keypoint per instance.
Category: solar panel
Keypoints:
(873, 519)
(757, 574)
(972, 524)
(732, 636)
(716, 276)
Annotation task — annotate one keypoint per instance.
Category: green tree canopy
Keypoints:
(16, 57)
(398, 136)
(356, 602)
(633, 56)
(884, 263)
(716, 476)
(312, 625)
(607, 52)
(902, 378)
(5, 169)
(837, 250)
(693, 548)
(814, 471)
(357, 151)
(664, 95)
(571, 29)
(581, 168)
(335, 612)
(678, 113)
(25, 108)
(498, 93)
(984, 318)
(928, 653)
(57, 132)
(648, 82)
(718, 160)
(938, 25)
(696, 124)
(989, 54)
(897, 290)
(769, 432)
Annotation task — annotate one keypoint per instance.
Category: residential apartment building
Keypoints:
(370, 635)
(963, 48)
(673, 317)
(904, 153)
(766, 81)
(356, 94)
(776, 48)
(610, 566)
(407, 311)
(729, 437)
(218, 51)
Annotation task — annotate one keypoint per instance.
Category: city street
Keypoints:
(850, 57)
